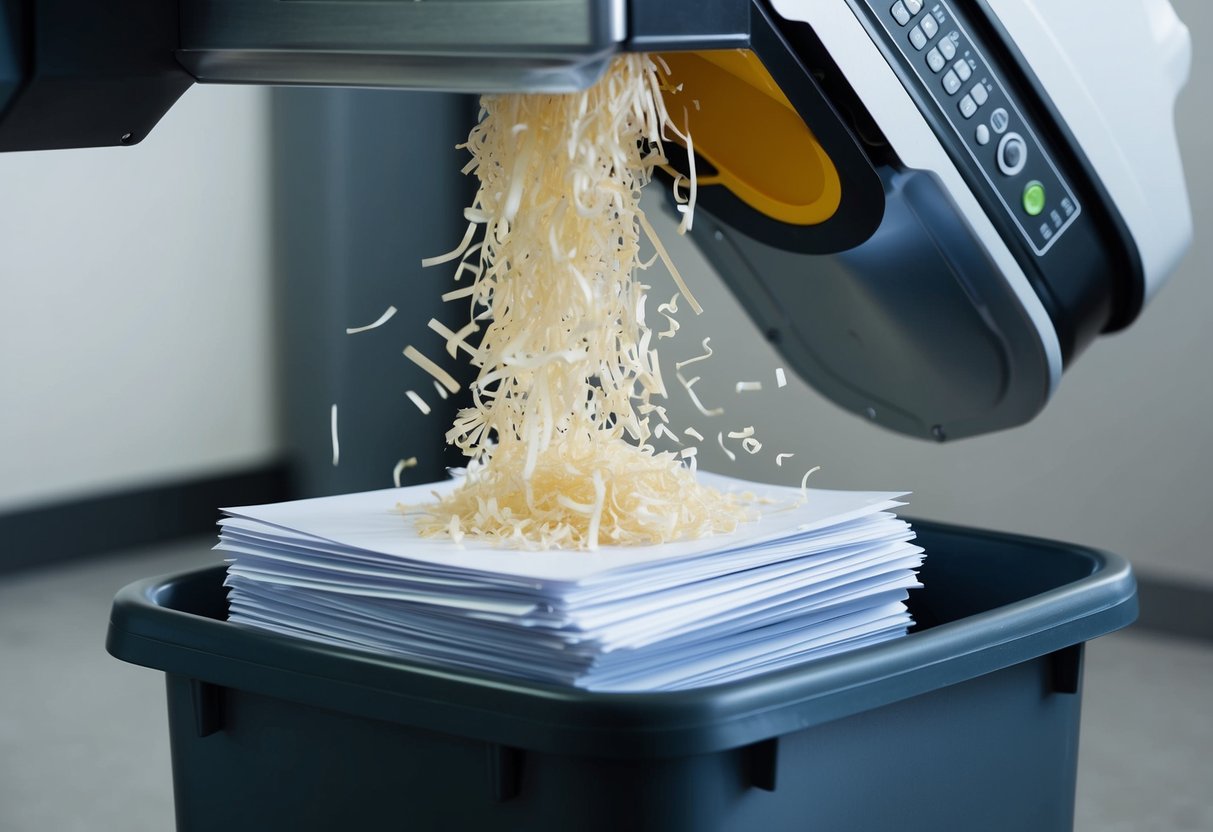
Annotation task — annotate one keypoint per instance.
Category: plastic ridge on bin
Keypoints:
(149, 627)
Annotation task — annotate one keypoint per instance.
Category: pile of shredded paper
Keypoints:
(560, 428)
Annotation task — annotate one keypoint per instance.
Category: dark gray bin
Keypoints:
(969, 723)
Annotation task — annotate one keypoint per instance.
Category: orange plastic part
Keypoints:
(744, 125)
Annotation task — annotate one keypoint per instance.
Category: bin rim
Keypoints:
(543, 717)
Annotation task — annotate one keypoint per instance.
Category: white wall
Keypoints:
(1121, 459)
(134, 306)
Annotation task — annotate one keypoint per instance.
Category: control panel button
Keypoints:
(948, 47)
(999, 121)
(915, 6)
(982, 135)
(1012, 154)
(967, 106)
(951, 83)
(1034, 199)
(930, 27)
(917, 39)
(963, 69)
(900, 13)
(979, 94)
(935, 60)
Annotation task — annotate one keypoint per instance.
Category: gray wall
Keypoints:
(135, 326)
(1121, 458)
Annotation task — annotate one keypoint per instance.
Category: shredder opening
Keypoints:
(741, 123)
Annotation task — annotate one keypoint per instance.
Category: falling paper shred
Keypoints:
(720, 440)
(333, 429)
(447, 380)
(411, 462)
(418, 401)
(383, 319)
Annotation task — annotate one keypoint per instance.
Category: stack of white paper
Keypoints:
(805, 581)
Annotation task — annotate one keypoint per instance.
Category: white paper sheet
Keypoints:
(369, 521)
(809, 579)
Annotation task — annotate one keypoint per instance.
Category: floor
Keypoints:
(83, 743)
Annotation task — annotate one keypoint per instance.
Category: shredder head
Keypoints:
(930, 209)
(926, 216)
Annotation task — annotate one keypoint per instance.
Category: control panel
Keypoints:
(965, 87)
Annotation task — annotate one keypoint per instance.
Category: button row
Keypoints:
(1012, 151)
(939, 56)
(957, 75)
(921, 34)
(904, 10)
(973, 99)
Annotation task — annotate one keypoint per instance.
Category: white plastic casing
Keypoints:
(916, 145)
(1113, 70)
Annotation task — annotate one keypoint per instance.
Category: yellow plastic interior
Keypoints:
(743, 124)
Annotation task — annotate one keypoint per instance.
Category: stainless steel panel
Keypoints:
(480, 45)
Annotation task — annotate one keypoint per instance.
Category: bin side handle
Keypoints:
(1067, 668)
(207, 699)
(763, 762)
(504, 771)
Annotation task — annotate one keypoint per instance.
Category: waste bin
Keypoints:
(970, 722)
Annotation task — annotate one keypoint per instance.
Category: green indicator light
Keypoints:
(1034, 198)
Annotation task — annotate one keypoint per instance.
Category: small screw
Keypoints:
(718, 235)
(126, 138)
(937, 432)
(871, 413)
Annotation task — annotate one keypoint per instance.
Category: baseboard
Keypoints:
(86, 527)
(1173, 608)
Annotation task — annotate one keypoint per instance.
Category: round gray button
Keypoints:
(1012, 154)
(983, 134)
(999, 120)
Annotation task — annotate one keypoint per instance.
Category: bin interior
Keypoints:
(967, 573)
